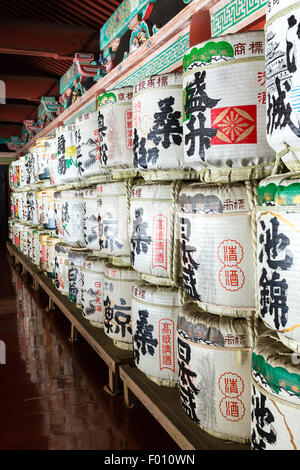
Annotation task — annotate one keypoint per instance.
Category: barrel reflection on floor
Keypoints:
(52, 390)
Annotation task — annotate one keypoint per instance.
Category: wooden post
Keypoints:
(74, 334)
(130, 399)
(113, 383)
(51, 305)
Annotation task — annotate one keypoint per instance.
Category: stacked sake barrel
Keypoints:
(154, 244)
(275, 365)
(224, 136)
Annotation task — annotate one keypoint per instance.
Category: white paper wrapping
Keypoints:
(51, 242)
(224, 107)
(92, 290)
(214, 355)
(275, 414)
(154, 332)
(65, 170)
(217, 247)
(152, 229)
(32, 210)
(113, 218)
(42, 158)
(48, 216)
(76, 258)
(61, 267)
(91, 223)
(118, 283)
(23, 239)
(278, 263)
(87, 145)
(58, 204)
(73, 218)
(157, 123)
(115, 128)
(283, 80)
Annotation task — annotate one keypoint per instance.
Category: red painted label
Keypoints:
(235, 124)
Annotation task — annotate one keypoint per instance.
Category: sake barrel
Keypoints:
(36, 246)
(154, 332)
(275, 403)
(73, 218)
(66, 162)
(23, 238)
(42, 158)
(91, 224)
(34, 168)
(58, 214)
(278, 263)
(11, 176)
(30, 230)
(76, 257)
(50, 243)
(28, 169)
(32, 209)
(16, 234)
(48, 209)
(224, 104)
(92, 290)
(23, 201)
(218, 243)
(43, 249)
(22, 172)
(39, 206)
(214, 357)
(61, 267)
(115, 128)
(154, 248)
(157, 123)
(113, 218)
(118, 284)
(87, 145)
(283, 81)
(10, 228)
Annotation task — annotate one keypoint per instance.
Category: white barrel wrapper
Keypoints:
(61, 267)
(152, 228)
(32, 212)
(154, 332)
(48, 216)
(113, 218)
(217, 247)
(91, 223)
(66, 170)
(87, 145)
(118, 283)
(92, 290)
(157, 123)
(73, 218)
(76, 257)
(275, 414)
(115, 128)
(224, 104)
(58, 203)
(283, 80)
(51, 242)
(214, 355)
(278, 260)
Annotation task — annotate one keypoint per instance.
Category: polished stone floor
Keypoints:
(51, 391)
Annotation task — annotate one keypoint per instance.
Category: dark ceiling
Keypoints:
(38, 40)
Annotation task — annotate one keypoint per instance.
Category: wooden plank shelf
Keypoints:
(96, 337)
(164, 404)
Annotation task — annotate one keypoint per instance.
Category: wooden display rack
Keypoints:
(96, 338)
(164, 405)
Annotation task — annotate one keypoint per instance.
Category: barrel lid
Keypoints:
(225, 48)
(77, 255)
(166, 296)
(120, 272)
(213, 198)
(199, 326)
(160, 81)
(275, 367)
(110, 97)
(153, 191)
(117, 188)
(93, 263)
(279, 190)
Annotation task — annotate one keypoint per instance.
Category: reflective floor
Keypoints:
(51, 391)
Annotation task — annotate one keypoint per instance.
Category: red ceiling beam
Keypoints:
(17, 112)
(43, 39)
(29, 88)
